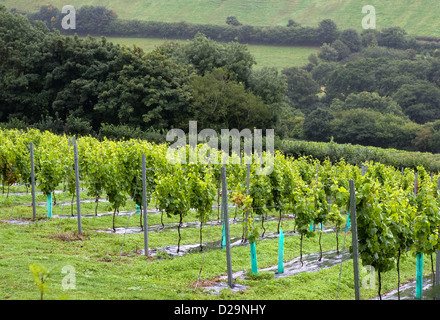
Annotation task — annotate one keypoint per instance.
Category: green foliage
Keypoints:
(292, 23)
(173, 194)
(351, 39)
(371, 101)
(232, 20)
(428, 137)
(419, 101)
(49, 14)
(369, 38)
(317, 125)
(321, 72)
(375, 128)
(93, 87)
(380, 75)
(270, 85)
(376, 242)
(395, 217)
(302, 90)
(94, 19)
(260, 192)
(389, 53)
(327, 31)
(201, 193)
(427, 218)
(78, 126)
(393, 37)
(341, 48)
(41, 274)
(328, 53)
(221, 103)
(357, 154)
(204, 55)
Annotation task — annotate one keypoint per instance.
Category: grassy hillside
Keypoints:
(418, 17)
(266, 56)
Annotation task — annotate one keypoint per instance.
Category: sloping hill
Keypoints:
(418, 17)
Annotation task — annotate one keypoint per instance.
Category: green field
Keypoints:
(266, 56)
(418, 17)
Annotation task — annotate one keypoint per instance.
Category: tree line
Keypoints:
(371, 94)
(376, 88)
(99, 20)
(85, 85)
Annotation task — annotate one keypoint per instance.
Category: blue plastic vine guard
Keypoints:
(311, 226)
(223, 237)
(419, 276)
(49, 205)
(281, 252)
(138, 209)
(254, 258)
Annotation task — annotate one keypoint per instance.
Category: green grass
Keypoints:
(265, 56)
(101, 272)
(418, 17)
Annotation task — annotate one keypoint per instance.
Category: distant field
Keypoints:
(418, 17)
(270, 56)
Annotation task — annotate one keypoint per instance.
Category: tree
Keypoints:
(356, 76)
(393, 37)
(328, 53)
(233, 21)
(302, 90)
(78, 126)
(369, 38)
(341, 48)
(49, 14)
(204, 55)
(372, 128)
(420, 101)
(94, 19)
(317, 125)
(372, 101)
(434, 141)
(322, 71)
(327, 31)
(351, 39)
(292, 23)
(290, 123)
(149, 91)
(269, 84)
(220, 103)
(423, 137)
(20, 58)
